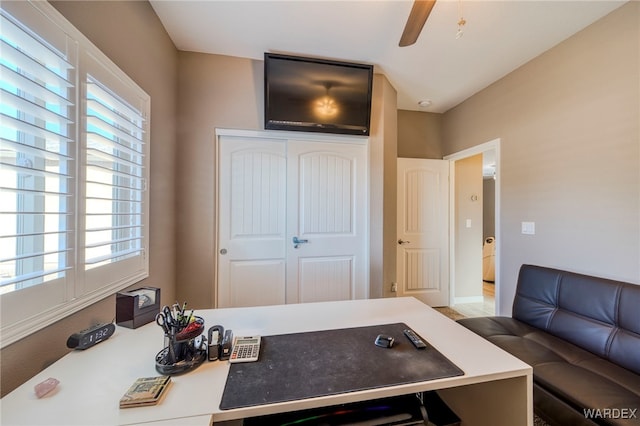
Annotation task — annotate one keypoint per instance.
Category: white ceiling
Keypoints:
(499, 36)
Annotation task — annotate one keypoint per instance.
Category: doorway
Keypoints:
(485, 295)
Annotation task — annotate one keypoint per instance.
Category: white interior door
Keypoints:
(271, 191)
(327, 211)
(423, 230)
(251, 222)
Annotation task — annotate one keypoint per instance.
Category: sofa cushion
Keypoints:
(574, 375)
(528, 343)
(555, 411)
(596, 314)
(625, 348)
(584, 388)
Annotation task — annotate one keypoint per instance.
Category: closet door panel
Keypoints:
(252, 222)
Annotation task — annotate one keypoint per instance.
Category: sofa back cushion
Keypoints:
(597, 314)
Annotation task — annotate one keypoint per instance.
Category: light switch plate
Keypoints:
(529, 228)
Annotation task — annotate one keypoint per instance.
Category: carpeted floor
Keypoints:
(455, 315)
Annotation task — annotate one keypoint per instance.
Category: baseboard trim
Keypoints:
(469, 299)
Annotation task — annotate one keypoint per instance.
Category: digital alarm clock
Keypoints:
(91, 336)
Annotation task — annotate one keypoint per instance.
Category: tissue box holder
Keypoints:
(137, 307)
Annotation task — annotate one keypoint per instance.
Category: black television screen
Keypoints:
(316, 95)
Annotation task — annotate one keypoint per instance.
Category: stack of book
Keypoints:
(145, 391)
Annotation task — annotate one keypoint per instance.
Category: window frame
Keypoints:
(31, 309)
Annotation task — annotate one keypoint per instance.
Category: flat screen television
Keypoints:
(316, 95)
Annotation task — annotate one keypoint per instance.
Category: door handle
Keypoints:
(297, 242)
(403, 242)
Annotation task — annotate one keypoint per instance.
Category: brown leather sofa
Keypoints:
(581, 335)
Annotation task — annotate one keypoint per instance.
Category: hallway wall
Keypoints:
(569, 125)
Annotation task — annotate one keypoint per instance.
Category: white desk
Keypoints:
(496, 389)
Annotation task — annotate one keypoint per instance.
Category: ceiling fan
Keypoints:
(417, 17)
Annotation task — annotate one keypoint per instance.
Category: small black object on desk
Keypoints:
(384, 341)
(226, 346)
(185, 347)
(216, 333)
(415, 339)
(91, 336)
(137, 307)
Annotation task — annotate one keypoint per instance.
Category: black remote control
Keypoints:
(415, 339)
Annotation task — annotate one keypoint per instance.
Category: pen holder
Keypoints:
(184, 348)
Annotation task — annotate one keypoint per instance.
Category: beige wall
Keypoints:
(468, 236)
(150, 58)
(226, 92)
(488, 208)
(383, 194)
(214, 92)
(419, 134)
(570, 153)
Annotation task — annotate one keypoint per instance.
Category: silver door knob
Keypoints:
(403, 242)
(297, 242)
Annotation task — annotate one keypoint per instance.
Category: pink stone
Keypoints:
(45, 387)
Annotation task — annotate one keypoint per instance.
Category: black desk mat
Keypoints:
(307, 365)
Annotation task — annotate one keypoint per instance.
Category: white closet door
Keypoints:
(327, 209)
(252, 222)
(271, 191)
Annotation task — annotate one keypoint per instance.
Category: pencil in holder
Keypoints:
(185, 348)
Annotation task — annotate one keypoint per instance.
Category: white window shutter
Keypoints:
(36, 159)
(74, 167)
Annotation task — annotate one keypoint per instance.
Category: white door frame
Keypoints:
(469, 152)
(285, 135)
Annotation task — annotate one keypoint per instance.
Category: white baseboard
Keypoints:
(469, 299)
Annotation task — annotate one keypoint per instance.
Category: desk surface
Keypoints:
(331, 362)
(92, 381)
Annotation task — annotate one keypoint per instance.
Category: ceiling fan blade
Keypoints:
(418, 16)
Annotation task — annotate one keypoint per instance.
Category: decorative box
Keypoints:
(137, 307)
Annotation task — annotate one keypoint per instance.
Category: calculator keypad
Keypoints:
(245, 352)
